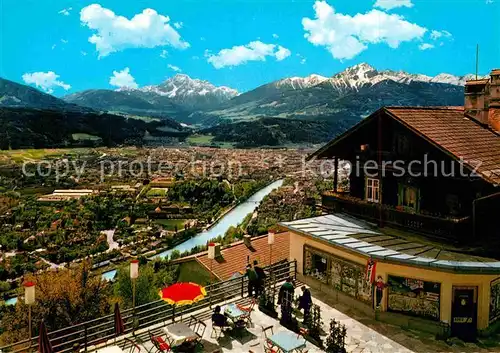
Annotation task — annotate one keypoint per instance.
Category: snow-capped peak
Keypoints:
(192, 93)
(300, 82)
(182, 85)
(357, 76)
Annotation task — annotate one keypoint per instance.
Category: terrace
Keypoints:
(440, 227)
(152, 319)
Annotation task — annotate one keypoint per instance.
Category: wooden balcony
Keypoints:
(452, 228)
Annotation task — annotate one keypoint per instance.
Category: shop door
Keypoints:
(464, 313)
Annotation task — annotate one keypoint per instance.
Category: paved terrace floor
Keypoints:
(360, 338)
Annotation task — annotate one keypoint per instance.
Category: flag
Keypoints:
(370, 271)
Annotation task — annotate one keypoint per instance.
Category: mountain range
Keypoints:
(341, 99)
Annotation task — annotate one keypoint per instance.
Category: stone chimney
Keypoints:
(247, 240)
(482, 100)
(494, 106)
(477, 99)
(217, 249)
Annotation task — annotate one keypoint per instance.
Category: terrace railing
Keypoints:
(157, 313)
(455, 229)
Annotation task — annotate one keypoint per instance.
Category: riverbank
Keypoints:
(232, 217)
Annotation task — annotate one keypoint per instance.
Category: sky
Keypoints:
(65, 46)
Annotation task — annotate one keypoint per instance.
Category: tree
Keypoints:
(145, 289)
(4, 286)
(63, 299)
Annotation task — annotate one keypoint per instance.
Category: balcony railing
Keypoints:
(101, 330)
(451, 228)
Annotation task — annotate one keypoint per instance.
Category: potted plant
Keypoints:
(314, 324)
(335, 341)
(266, 303)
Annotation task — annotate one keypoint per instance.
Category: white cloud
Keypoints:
(303, 61)
(65, 12)
(164, 53)
(64, 41)
(392, 4)
(84, 53)
(240, 54)
(282, 53)
(123, 79)
(425, 46)
(440, 34)
(178, 25)
(346, 36)
(175, 68)
(53, 46)
(275, 36)
(46, 81)
(114, 33)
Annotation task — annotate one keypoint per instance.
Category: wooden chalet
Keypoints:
(432, 170)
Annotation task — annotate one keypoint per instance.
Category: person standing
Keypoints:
(261, 277)
(379, 291)
(285, 299)
(252, 280)
(305, 302)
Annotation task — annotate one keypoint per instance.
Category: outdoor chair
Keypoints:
(161, 344)
(217, 331)
(248, 310)
(198, 326)
(269, 347)
(303, 332)
(134, 348)
(266, 331)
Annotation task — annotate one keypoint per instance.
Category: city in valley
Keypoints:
(262, 177)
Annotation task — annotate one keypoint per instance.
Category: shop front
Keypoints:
(343, 275)
(434, 291)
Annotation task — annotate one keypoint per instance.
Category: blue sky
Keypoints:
(64, 46)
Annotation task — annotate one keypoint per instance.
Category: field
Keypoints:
(157, 192)
(200, 139)
(85, 137)
(19, 156)
(192, 271)
(207, 140)
(169, 224)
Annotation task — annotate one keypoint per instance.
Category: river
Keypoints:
(232, 218)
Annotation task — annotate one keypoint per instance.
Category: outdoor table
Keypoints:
(234, 313)
(110, 349)
(288, 341)
(180, 333)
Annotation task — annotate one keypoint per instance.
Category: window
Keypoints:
(316, 265)
(408, 197)
(372, 190)
(343, 275)
(402, 144)
(453, 204)
(414, 297)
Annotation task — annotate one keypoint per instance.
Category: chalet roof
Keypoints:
(448, 129)
(495, 72)
(354, 235)
(234, 258)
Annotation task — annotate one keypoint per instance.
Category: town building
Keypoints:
(414, 235)
(66, 195)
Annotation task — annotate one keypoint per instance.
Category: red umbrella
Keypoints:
(44, 345)
(119, 327)
(183, 293)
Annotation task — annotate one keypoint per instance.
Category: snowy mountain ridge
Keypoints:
(364, 74)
